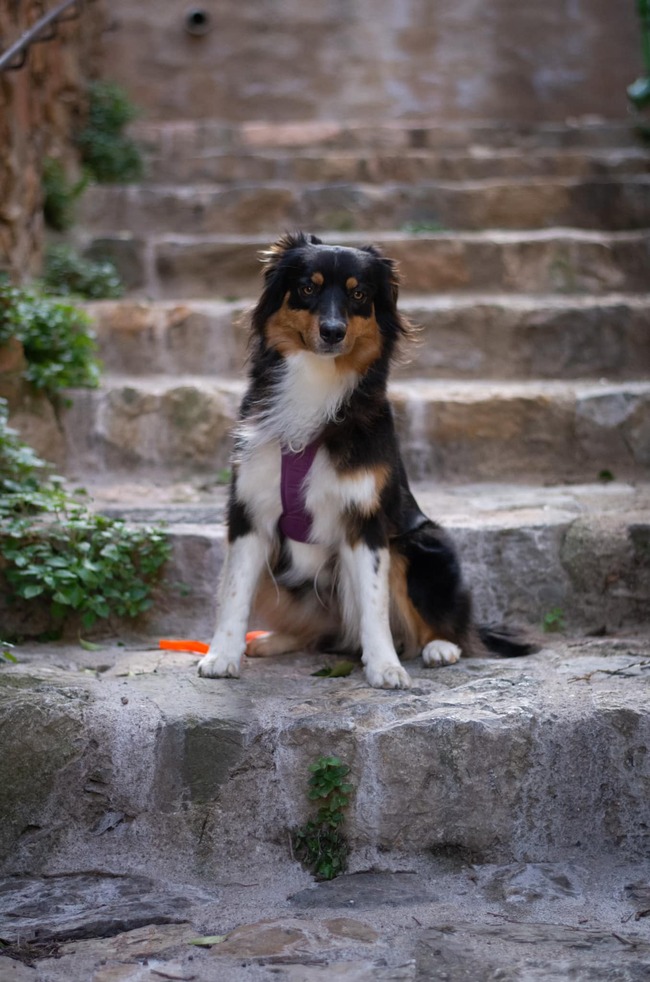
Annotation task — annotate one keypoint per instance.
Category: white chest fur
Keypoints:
(309, 393)
(331, 496)
(258, 486)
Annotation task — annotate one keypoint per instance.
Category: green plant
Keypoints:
(422, 227)
(6, 656)
(319, 844)
(223, 476)
(108, 155)
(553, 620)
(56, 339)
(67, 273)
(337, 671)
(53, 547)
(59, 195)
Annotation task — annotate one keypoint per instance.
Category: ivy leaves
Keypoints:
(54, 548)
(85, 563)
(56, 338)
(319, 844)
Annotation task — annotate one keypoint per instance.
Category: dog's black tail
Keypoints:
(507, 643)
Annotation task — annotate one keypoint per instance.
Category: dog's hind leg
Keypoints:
(296, 619)
(437, 653)
(273, 643)
(435, 602)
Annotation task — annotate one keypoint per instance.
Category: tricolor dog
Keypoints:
(326, 543)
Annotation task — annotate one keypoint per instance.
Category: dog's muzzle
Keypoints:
(332, 331)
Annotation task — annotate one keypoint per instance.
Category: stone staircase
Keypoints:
(524, 407)
(500, 817)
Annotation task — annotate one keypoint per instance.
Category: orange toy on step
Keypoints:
(199, 647)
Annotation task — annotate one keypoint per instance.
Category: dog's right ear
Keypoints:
(277, 261)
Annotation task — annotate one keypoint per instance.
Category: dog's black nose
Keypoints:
(332, 330)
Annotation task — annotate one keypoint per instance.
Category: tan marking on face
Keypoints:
(290, 331)
(318, 279)
(362, 345)
(351, 283)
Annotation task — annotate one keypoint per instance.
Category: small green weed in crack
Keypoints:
(337, 671)
(319, 844)
(553, 621)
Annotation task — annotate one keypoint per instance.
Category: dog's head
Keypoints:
(333, 301)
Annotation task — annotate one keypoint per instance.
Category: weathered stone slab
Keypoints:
(487, 430)
(457, 336)
(178, 339)
(51, 742)
(617, 203)
(277, 941)
(510, 761)
(529, 951)
(579, 551)
(450, 431)
(360, 891)
(185, 137)
(525, 337)
(87, 905)
(478, 162)
(126, 251)
(526, 552)
(547, 261)
(140, 943)
(163, 422)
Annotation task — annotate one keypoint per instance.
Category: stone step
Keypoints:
(543, 261)
(580, 551)
(401, 921)
(145, 768)
(368, 166)
(184, 138)
(615, 203)
(558, 557)
(449, 430)
(461, 336)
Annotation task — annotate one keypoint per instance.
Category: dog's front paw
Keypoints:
(388, 676)
(438, 653)
(219, 667)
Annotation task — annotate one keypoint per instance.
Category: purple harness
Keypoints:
(295, 521)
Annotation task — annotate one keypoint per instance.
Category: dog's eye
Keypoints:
(307, 290)
(358, 295)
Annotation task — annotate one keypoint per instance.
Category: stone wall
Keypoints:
(348, 59)
(39, 107)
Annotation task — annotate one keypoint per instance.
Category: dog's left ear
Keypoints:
(390, 273)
